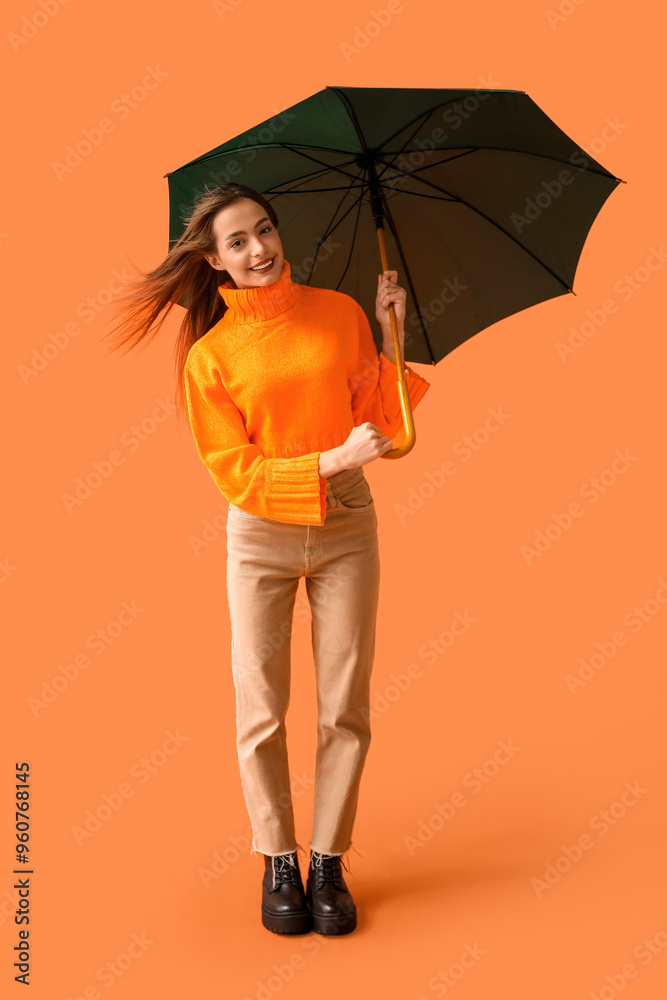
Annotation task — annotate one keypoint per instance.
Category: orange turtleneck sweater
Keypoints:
(286, 373)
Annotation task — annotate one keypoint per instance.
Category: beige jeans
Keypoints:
(341, 566)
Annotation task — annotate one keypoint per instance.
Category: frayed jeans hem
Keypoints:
(270, 854)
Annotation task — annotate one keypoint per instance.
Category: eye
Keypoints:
(232, 245)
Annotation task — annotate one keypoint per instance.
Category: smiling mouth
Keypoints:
(263, 267)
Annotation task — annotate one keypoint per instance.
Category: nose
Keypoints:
(258, 248)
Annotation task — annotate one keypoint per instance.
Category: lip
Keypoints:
(272, 259)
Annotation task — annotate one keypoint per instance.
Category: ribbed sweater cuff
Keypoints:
(298, 492)
(417, 387)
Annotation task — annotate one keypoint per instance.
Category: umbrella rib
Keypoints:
(408, 276)
(354, 234)
(330, 229)
(503, 149)
(272, 190)
(318, 173)
(396, 153)
(253, 146)
(356, 226)
(492, 222)
(419, 120)
(362, 141)
(438, 163)
(294, 149)
(424, 115)
(422, 194)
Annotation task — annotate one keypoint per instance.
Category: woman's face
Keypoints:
(245, 237)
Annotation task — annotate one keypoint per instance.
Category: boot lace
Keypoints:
(285, 869)
(327, 866)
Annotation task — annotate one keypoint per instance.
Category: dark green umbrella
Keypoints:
(487, 203)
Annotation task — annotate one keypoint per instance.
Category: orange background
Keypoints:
(428, 889)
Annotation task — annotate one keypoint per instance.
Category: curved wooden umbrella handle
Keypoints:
(403, 394)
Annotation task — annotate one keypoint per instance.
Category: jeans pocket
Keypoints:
(356, 497)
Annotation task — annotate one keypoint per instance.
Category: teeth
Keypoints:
(263, 267)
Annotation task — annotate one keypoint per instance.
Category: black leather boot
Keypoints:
(284, 906)
(332, 905)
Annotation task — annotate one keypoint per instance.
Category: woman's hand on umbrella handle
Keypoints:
(388, 292)
(364, 444)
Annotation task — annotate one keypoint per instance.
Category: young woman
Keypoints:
(287, 400)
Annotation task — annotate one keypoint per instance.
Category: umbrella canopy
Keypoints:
(486, 203)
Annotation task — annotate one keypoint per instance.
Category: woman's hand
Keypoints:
(364, 444)
(388, 291)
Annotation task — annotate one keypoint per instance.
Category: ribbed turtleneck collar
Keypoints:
(250, 305)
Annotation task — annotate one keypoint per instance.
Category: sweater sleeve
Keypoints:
(374, 384)
(282, 489)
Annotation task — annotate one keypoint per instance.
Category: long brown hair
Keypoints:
(184, 273)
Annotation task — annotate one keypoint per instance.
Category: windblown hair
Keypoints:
(183, 274)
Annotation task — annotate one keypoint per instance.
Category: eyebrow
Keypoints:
(242, 232)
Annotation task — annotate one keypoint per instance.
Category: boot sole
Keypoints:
(290, 923)
(333, 925)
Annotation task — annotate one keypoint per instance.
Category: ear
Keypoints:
(214, 261)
